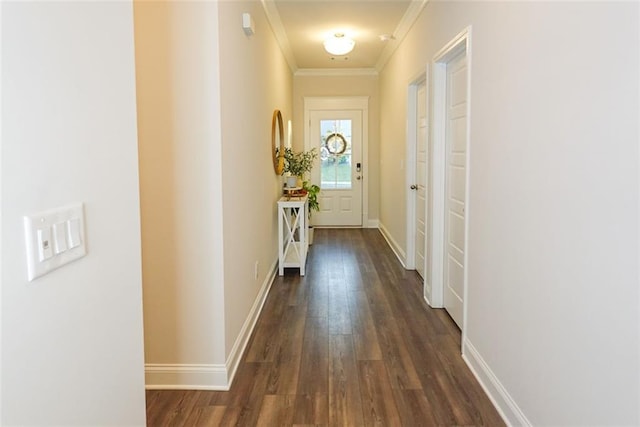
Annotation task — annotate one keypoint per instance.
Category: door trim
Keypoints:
(360, 103)
(459, 44)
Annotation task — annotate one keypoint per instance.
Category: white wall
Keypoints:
(553, 207)
(206, 95)
(180, 186)
(255, 80)
(1, 187)
(72, 350)
(344, 85)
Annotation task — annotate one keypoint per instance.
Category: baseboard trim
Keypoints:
(426, 299)
(240, 345)
(160, 376)
(373, 223)
(503, 402)
(215, 377)
(400, 254)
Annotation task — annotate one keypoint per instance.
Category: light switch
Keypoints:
(54, 238)
(45, 250)
(74, 232)
(59, 237)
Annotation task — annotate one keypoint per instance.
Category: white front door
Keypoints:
(337, 135)
(421, 181)
(455, 177)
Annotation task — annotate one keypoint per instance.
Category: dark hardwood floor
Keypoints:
(352, 343)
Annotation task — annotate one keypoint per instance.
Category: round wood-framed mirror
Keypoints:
(277, 142)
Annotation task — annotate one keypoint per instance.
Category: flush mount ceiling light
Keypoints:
(338, 44)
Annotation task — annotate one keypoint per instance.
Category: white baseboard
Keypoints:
(249, 324)
(504, 403)
(400, 254)
(213, 376)
(428, 295)
(185, 377)
(426, 299)
(373, 223)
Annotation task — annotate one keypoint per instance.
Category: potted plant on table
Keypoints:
(297, 164)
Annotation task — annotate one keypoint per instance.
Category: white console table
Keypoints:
(292, 246)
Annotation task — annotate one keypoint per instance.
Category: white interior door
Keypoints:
(455, 178)
(421, 181)
(337, 135)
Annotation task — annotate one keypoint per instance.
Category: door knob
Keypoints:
(358, 178)
(414, 187)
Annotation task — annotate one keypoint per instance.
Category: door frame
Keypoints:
(411, 172)
(459, 44)
(359, 103)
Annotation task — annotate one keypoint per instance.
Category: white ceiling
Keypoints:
(302, 25)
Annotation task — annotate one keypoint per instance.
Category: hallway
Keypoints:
(352, 343)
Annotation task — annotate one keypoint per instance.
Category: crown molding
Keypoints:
(331, 72)
(273, 17)
(407, 21)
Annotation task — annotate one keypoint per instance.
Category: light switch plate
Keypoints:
(43, 233)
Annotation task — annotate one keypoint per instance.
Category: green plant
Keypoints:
(299, 163)
(312, 196)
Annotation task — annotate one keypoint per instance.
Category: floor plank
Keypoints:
(314, 369)
(415, 409)
(311, 409)
(276, 410)
(345, 407)
(364, 328)
(377, 395)
(284, 374)
(351, 343)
